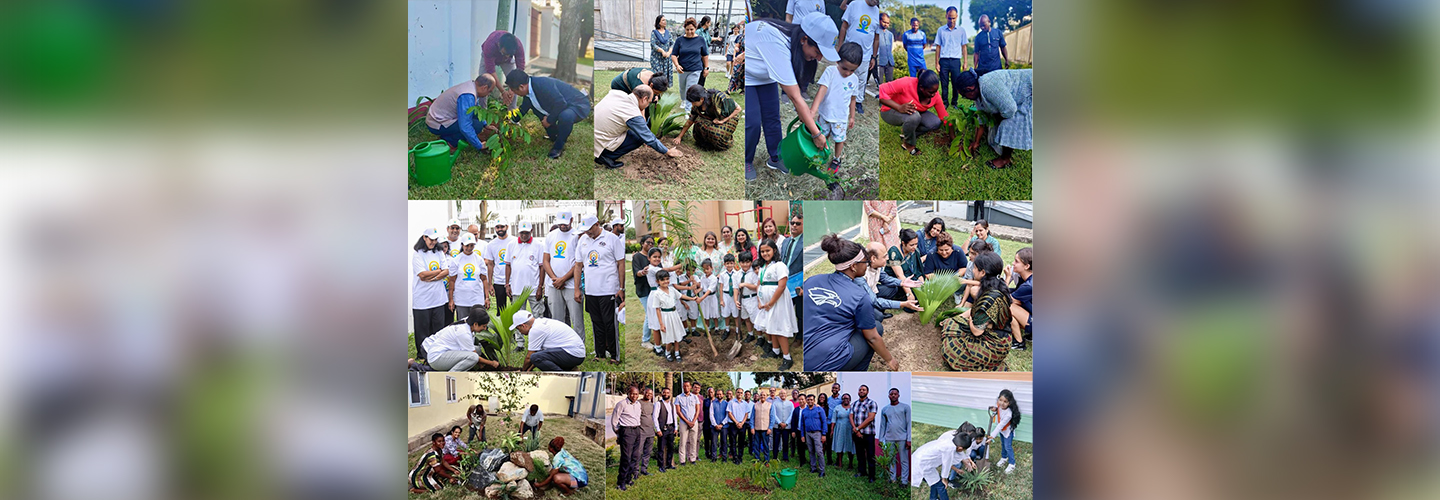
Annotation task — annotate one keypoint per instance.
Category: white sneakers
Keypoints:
(647, 345)
(1010, 469)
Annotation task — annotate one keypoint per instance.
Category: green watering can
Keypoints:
(786, 478)
(433, 161)
(800, 156)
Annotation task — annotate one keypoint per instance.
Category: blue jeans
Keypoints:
(760, 446)
(1007, 448)
(938, 492)
(950, 80)
(780, 442)
(631, 143)
(765, 99)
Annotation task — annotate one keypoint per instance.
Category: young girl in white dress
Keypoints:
(667, 302)
(776, 309)
(709, 304)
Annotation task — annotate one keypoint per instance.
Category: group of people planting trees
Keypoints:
(918, 103)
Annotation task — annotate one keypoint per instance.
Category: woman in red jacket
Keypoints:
(907, 103)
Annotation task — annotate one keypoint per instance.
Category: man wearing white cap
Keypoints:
(468, 281)
(617, 227)
(602, 257)
(553, 346)
(523, 271)
(776, 52)
(560, 267)
(495, 256)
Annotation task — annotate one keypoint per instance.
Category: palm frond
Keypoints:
(939, 287)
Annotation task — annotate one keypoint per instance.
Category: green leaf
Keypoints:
(940, 286)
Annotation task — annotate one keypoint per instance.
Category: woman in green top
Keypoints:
(714, 115)
(703, 29)
(905, 259)
(627, 80)
(978, 339)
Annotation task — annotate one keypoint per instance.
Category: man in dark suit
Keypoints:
(557, 104)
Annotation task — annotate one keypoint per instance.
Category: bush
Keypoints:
(631, 247)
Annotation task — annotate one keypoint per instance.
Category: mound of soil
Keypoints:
(696, 355)
(915, 344)
(646, 164)
(741, 484)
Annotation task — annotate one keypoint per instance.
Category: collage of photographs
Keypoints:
(842, 309)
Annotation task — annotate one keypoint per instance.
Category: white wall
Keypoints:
(878, 382)
(975, 393)
(444, 40)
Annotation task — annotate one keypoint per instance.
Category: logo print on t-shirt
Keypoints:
(559, 250)
(594, 258)
(822, 296)
(468, 271)
(434, 265)
(502, 257)
(864, 24)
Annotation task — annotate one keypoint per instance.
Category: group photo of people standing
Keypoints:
(506, 285)
(752, 434)
(956, 106)
(807, 76)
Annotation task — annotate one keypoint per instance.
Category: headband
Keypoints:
(858, 257)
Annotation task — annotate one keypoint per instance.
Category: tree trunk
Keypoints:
(484, 215)
(572, 12)
(670, 380)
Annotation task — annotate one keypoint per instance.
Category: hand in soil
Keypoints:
(674, 153)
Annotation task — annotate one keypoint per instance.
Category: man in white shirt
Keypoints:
(523, 271)
(553, 346)
(602, 257)
(531, 421)
(564, 275)
(495, 253)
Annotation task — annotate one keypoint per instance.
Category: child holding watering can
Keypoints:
(776, 53)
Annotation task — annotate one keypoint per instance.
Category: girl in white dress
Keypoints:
(778, 315)
(650, 271)
(709, 305)
(667, 300)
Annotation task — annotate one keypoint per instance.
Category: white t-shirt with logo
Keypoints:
(597, 258)
(496, 251)
(525, 260)
(454, 246)
(469, 273)
(839, 89)
(864, 23)
(547, 333)
(561, 248)
(427, 294)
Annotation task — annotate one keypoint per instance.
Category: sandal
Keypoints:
(991, 164)
(914, 151)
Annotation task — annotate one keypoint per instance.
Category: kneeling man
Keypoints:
(620, 127)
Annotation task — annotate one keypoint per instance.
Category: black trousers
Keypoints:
(797, 443)
(501, 297)
(780, 443)
(602, 321)
(666, 457)
(709, 441)
(735, 437)
(555, 359)
(865, 455)
(630, 439)
(427, 322)
(799, 319)
(722, 440)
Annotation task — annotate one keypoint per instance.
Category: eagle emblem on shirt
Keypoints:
(822, 296)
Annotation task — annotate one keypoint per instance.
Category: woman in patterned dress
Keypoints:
(1006, 93)
(661, 42)
(978, 339)
(714, 116)
(840, 441)
(882, 218)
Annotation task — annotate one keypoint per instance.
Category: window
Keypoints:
(419, 389)
(450, 390)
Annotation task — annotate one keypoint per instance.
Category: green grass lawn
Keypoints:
(935, 175)
(590, 365)
(638, 358)
(708, 480)
(1017, 485)
(591, 455)
(1016, 361)
(720, 175)
(859, 161)
(531, 175)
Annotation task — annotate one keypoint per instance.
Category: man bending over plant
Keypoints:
(620, 127)
(450, 117)
(556, 103)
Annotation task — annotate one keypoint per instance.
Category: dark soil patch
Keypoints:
(649, 165)
(741, 484)
(696, 355)
(915, 344)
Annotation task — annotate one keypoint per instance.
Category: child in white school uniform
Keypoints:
(748, 288)
(667, 308)
(709, 304)
(690, 286)
(729, 303)
(834, 104)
